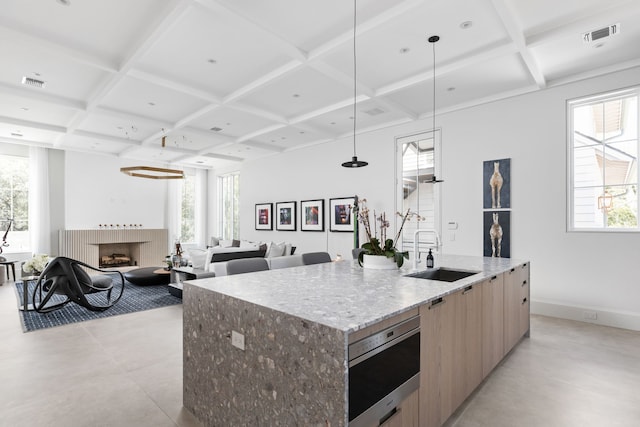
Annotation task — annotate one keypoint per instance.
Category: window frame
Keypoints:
(222, 220)
(571, 106)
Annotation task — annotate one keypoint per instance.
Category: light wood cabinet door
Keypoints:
(407, 414)
(467, 352)
(437, 331)
(492, 323)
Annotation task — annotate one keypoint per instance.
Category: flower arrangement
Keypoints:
(36, 264)
(382, 246)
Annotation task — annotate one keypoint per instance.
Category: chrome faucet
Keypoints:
(438, 243)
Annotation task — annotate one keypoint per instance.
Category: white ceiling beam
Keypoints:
(103, 137)
(43, 43)
(457, 64)
(597, 72)
(223, 157)
(262, 131)
(268, 78)
(20, 141)
(32, 125)
(35, 95)
(148, 38)
(264, 146)
(258, 112)
(173, 85)
(130, 117)
(329, 108)
(233, 13)
(516, 34)
(388, 15)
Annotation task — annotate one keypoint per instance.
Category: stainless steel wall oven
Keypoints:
(384, 368)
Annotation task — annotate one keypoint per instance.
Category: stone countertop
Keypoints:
(344, 296)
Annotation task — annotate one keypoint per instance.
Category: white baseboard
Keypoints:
(616, 319)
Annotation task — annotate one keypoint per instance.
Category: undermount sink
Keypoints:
(442, 274)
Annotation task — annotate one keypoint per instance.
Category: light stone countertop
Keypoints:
(344, 296)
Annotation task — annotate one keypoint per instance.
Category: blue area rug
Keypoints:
(135, 298)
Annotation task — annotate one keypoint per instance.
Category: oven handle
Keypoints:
(383, 347)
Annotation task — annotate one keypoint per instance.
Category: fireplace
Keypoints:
(143, 247)
(117, 254)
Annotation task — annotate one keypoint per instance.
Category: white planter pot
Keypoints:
(379, 262)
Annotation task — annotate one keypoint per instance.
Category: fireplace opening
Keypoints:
(117, 254)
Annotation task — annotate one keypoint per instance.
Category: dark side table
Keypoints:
(25, 293)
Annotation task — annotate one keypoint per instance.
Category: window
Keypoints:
(228, 209)
(603, 162)
(188, 209)
(14, 201)
(416, 162)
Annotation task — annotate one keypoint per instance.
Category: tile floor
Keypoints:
(127, 371)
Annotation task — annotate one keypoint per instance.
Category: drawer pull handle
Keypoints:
(389, 415)
(512, 270)
(524, 283)
(493, 278)
(436, 303)
(524, 300)
(524, 265)
(467, 289)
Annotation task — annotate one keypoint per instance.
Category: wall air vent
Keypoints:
(602, 33)
(216, 129)
(32, 82)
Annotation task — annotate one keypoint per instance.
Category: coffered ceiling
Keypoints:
(228, 80)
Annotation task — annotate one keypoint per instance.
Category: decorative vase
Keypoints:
(379, 262)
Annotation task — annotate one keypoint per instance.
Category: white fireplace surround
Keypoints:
(151, 246)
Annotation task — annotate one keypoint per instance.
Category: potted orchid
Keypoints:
(381, 246)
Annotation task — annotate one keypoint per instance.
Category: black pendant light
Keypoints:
(433, 40)
(354, 162)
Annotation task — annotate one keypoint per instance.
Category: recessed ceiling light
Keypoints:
(24, 108)
(17, 134)
(350, 117)
(199, 162)
(301, 132)
(283, 137)
(216, 129)
(228, 123)
(296, 95)
(151, 104)
(451, 89)
(466, 25)
(332, 123)
(64, 2)
(212, 61)
(404, 50)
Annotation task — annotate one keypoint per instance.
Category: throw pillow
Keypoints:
(215, 241)
(287, 249)
(226, 243)
(235, 243)
(198, 258)
(275, 250)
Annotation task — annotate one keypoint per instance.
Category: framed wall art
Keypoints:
(340, 214)
(497, 234)
(312, 215)
(286, 216)
(496, 184)
(264, 216)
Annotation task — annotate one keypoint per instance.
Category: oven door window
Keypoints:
(373, 379)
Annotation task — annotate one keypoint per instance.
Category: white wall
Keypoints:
(96, 192)
(570, 272)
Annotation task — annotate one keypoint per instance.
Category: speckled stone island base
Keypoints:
(292, 371)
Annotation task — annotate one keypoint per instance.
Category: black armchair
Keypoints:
(66, 280)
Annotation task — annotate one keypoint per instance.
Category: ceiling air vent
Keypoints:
(601, 33)
(216, 129)
(32, 82)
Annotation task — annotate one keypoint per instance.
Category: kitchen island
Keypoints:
(271, 348)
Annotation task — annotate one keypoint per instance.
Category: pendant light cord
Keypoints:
(354, 77)
(433, 44)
